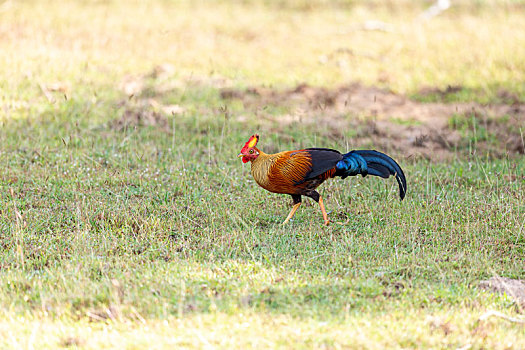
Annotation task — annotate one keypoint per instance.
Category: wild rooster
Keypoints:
(299, 173)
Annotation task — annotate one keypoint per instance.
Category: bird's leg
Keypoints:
(317, 197)
(323, 210)
(292, 212)
(296, 204)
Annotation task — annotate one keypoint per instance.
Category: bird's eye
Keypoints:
(251, 151)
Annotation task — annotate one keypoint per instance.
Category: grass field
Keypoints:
(126, 220)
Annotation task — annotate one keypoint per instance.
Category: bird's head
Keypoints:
(249, 152)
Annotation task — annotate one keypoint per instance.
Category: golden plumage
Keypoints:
(285, 172)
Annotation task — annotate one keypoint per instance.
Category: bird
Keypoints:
(298, 173)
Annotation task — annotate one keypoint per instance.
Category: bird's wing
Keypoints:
(293, 168)
(323, 160)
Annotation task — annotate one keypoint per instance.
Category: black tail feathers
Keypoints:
(375, 163)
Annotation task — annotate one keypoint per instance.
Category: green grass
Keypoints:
(169, 225)
(125, 226)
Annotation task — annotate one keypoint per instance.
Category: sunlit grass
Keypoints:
(440, 329)
(91, 47)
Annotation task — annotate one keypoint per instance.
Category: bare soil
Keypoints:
(374, 117)
(139, 116)
(393, 121)
(511, 287)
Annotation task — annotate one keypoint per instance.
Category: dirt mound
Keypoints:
(367, 101)
(145, 112)
(390, 120)
(513, 288)
(132, 117)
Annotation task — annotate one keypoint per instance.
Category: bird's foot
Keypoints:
(327, 222)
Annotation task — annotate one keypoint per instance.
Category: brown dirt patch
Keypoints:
(132, 117)
(145, 112)
(502, 285)
(391, 121)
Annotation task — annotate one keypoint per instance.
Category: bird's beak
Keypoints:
(240, 155)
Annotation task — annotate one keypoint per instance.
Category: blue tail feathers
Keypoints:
(368, 162)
